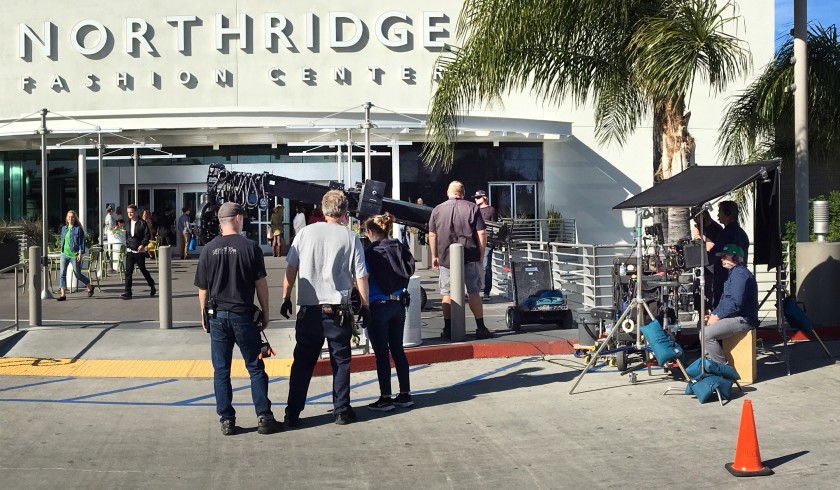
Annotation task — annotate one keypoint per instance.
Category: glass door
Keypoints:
(516, 200)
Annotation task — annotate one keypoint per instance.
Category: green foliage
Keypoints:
(625, 58)
(833, 224)
(758, 124)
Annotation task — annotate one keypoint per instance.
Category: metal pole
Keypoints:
(349, 181)
(34, 286)
(45, 292)
(456, 292)
(136, 195)
(800, 116)
(17, 298)
(101, 219)
(165, 283)
(367, 125)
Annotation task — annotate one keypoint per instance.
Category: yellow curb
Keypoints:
(113, 368)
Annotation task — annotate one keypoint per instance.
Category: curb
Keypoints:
(459, 352)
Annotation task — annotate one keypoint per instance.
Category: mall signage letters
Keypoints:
(346, 33)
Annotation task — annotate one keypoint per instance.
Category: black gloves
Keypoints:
(286, 308)
(364, 316)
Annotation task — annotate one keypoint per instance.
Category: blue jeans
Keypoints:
(488, 270)
(227, 329)
(311, 328)
(386, 335)
(77, 271)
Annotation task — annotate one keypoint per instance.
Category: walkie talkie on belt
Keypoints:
(209, 311)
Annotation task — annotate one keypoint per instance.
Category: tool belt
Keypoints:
(342, 315)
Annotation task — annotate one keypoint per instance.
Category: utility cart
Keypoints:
(536, 301)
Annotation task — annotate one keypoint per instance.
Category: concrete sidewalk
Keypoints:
(105, 327)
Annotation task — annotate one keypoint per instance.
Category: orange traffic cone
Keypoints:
(747, 457)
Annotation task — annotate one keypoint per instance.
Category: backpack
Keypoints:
(391, 264)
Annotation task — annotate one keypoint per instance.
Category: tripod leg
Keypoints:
(827, 352)
(603, 345)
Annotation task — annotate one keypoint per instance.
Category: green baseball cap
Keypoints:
(731, 249)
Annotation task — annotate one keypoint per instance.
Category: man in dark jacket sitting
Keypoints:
(738, 307)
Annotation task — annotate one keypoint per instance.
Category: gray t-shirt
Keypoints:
(328, 258)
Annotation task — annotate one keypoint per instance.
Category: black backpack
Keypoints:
(391, 264)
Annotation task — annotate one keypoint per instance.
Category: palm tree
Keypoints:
(631, 59)
(758, 124)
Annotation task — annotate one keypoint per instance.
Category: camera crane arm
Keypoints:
(249, 189)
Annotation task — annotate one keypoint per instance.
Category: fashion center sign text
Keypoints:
(91, 41)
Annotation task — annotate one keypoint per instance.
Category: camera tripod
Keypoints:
(637, 305)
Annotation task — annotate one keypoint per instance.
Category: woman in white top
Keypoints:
(109, 217)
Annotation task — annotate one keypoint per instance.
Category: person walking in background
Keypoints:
(329, 258)
(109, 218)
(488, 213)
(184, 232)
(458, 221)
(390, 264)
(136, 241)
(317, 216)
(152, 227)
(299, 221)
(119, 215)
(275, 231)
(72, 247)
(231, 269)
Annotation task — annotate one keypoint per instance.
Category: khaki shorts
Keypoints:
(472, 278)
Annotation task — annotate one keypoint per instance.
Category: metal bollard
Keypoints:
(34, 286)
(412, 336)
(456, 292)
(165, 286)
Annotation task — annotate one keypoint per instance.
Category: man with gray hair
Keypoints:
(230, 270)
(329, 259)
(459, 221)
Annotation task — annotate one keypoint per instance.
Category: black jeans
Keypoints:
(386, 336)
(138, 259)
(311, 328)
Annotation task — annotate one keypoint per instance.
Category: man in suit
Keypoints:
(136, 240)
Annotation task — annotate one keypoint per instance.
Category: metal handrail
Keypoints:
(17, 267)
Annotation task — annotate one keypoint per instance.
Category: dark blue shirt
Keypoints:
(740, 296)
(732, 233)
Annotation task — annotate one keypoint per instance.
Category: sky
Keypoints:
(826, 12)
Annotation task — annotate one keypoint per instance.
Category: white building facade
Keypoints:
(278, 87)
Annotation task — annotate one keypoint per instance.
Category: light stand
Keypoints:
(638, 304)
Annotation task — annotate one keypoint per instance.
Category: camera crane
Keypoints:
(253, 190)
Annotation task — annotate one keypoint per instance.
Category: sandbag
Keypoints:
(704, 389)
(664, 348)
(713, 367)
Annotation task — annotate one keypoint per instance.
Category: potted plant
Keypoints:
(554, 225)
(10, 234)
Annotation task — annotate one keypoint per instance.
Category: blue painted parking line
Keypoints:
(194, 402)
(121, 390)
(190, 401)
(10, 388)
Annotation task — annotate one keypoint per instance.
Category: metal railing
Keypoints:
(541, 231)
(585, 271)
(19, 267)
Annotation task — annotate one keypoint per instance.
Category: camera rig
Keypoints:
(253, 190)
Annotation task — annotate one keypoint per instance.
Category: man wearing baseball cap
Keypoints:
(488, 212)
(230, 270)
(738, 307)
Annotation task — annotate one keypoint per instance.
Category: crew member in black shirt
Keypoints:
(230, 270)
(732, 233)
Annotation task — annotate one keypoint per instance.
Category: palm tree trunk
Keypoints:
(677, 149)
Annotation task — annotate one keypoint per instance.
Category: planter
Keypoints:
(115, 241)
